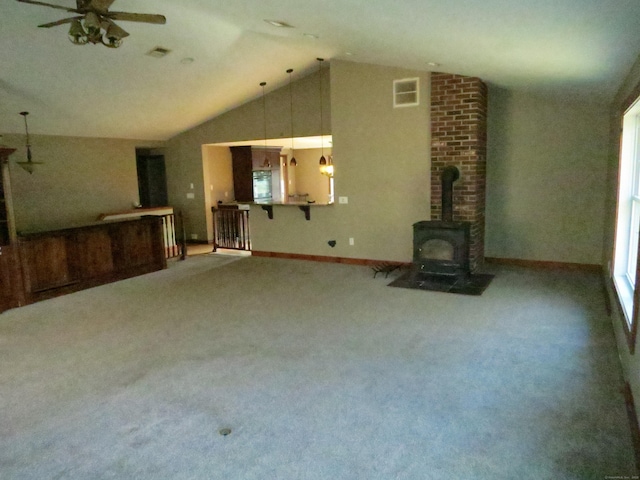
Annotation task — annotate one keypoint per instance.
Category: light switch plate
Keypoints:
(343, 199)
(191, 195)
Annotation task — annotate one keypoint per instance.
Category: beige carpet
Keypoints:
(319, 371)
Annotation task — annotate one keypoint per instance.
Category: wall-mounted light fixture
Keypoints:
(29, 164)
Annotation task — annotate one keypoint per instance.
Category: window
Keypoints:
(405, 93)
(625, 269)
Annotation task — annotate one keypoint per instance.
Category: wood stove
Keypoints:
(441, 251)
(442, 247)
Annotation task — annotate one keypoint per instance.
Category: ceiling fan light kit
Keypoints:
(95, 23)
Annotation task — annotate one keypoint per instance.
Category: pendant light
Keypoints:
(323, 161)
(266, 163)
(293, 161)
(326, 166)
(29, 164)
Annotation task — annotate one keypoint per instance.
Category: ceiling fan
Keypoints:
(95, 23)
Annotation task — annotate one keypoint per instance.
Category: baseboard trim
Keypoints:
(584, 267)
(324, 258)
(633, 421)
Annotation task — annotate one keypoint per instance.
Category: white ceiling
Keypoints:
(574, 47)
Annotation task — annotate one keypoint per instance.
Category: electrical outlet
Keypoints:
(194, 236)
(191, 195)
(343, 199)
(351, 241)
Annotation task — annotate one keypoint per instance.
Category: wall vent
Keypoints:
(406, 92)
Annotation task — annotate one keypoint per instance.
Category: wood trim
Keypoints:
(633, 421)
(583, 267)
(323, 258)
(630, 334)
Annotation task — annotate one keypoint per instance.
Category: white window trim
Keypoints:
(628, 215)
(398, 95)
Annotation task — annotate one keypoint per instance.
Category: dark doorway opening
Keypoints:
(152, 178)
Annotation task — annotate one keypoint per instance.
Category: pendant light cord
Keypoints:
(290, 71)
(320, 60)
(264, 115)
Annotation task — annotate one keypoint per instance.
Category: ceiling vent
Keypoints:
(405, 92)
(158, 52)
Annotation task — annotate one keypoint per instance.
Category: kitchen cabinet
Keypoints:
(245, 160)
(242, 163)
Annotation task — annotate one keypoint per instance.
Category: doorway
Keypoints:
(152, 178)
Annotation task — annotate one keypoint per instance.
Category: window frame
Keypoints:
(627, 294)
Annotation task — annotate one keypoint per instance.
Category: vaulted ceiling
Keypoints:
(222, 50)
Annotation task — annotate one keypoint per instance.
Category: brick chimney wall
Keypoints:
(459, 137)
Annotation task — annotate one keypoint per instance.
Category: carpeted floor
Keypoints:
(319, 371)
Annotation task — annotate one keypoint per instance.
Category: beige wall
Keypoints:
(79, 179)
(184, 151)
(546, 178)
(381, 157)
(218, 173)
(307, 176)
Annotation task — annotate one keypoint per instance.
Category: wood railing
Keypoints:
(231, 228)
(172, 230)
(172, 248)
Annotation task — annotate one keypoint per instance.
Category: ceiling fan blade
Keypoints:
(99, 5)
(59, 7)
(60, 22)
(137, 17)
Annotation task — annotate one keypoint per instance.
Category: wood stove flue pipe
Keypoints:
(449, 175)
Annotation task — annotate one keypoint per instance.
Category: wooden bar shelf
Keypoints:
(305, 207)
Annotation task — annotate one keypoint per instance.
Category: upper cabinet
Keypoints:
(242, 163)
(246, 160)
